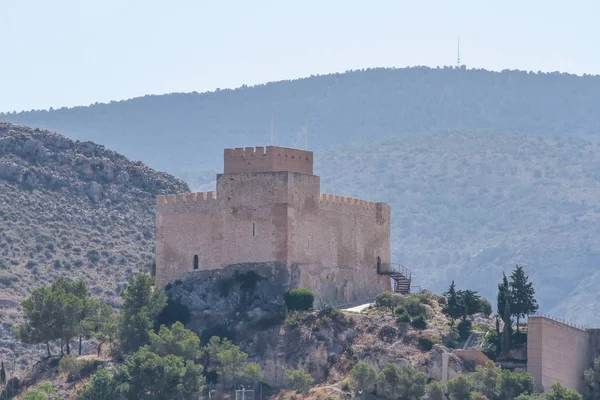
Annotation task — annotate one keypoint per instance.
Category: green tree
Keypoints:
(211, 353)
(559, 392)
(504, 297)
(522, 295)
(2, 373)
(459, 388)
(232, 365)
(469, 302)
(592, 379)
(142, 303)
(388, 300)
(435, 391)
(299, 380)
(53, 312)
(388, 382)
(453, 307)
(513, 384)
(485, 380)
(150, 376)
(177, 341)
(412, 383)
(364, 376)
(38, 314)
(106, 328)
(253, 374)
(104, 386)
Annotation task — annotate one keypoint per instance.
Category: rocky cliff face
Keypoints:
(70, 208)
(245, 304)
(36, 159)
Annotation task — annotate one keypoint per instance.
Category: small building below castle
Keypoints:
(268, 208)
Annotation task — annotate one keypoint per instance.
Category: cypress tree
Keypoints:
(2, 373)
(523, 301)
(454, 308)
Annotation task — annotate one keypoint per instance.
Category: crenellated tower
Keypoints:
(268, 207)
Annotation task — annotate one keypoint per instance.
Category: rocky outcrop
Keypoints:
(39, 159)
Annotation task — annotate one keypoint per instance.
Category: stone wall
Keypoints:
(331, 243)
(557, 352)
(269, 159)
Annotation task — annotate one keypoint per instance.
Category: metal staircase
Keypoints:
(399, 273)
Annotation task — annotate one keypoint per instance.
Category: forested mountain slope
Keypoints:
(184, 132)
(468, 205)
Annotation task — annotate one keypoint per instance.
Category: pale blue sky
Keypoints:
(66, 52)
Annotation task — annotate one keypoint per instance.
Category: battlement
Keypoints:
(351, 201)
(351, 205)
(267, 159)
(183, 199)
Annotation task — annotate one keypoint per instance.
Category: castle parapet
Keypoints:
(380, 211)
(182, 200)
(267, 159)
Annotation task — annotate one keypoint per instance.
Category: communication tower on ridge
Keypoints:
(458, 53)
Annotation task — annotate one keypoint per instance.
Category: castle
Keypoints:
(268, 208)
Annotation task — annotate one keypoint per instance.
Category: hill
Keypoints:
(515, 181)
(185, 133)
(468, 205)
(70, 208)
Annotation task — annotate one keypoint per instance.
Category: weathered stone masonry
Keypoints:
(268, 208)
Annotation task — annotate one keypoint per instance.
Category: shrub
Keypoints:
(93, 255)
(328, 310)
(76, 368)
(413, 306)
(35, 395)
(419, 322)
(299, 380)
(300, 299)
(404, 317)
(346, 386)
(464, 329)
(387, 300)
(294, 319)
(427, 342)
(485, 307)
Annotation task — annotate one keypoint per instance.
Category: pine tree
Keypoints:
(504, 304)
(453, 309)
(2, 373)
(522, 295)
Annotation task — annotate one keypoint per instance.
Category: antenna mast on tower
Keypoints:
(458, 53)
(271, 128)
(305, 133)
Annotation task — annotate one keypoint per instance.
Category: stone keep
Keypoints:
(268, 208)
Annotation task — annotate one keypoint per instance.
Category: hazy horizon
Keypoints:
(110, 51)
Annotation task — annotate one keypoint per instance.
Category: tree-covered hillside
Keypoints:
(467, 205)
(186, 132)
(515, 181)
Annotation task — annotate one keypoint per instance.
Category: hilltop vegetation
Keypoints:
(483, 170)
(468, 205)
(186, 132)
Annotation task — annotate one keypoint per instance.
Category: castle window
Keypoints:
(196, 261)
(253, 230)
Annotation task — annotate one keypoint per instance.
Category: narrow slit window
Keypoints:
(196, 262)
(253, 230)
